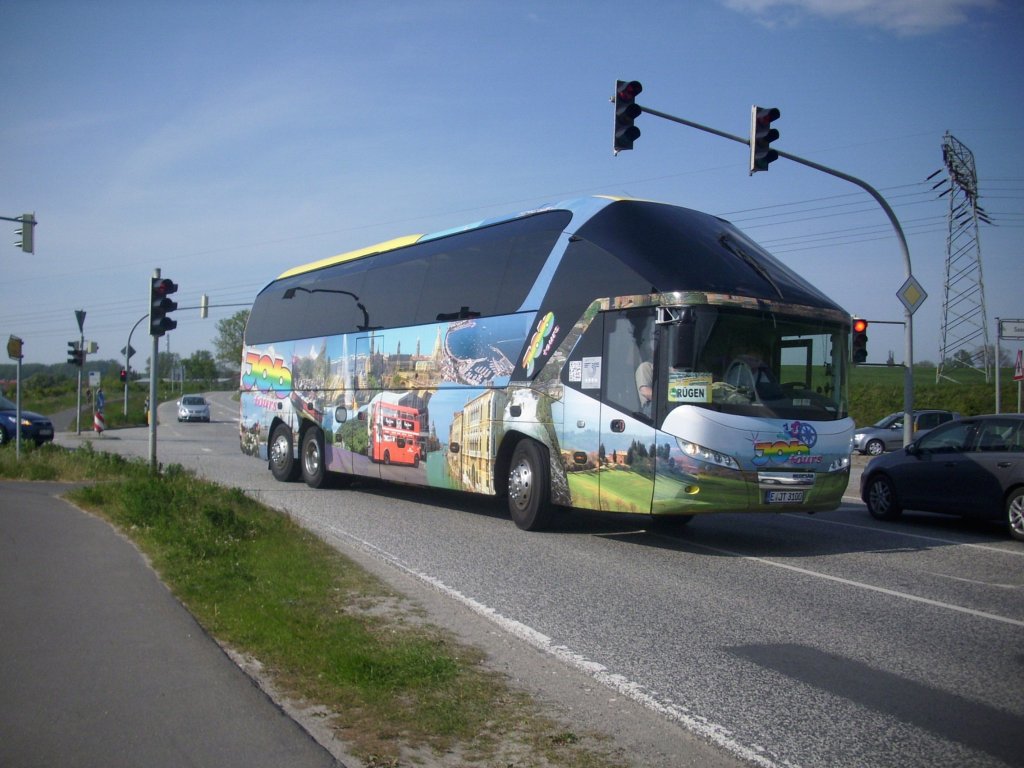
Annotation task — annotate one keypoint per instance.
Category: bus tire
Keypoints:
(279, 452)
(314, 471)
(529, 487)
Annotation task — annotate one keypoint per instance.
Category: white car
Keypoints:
(193, 408)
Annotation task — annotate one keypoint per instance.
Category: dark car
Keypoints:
(972, 467)
(34, 427)
(887, 434)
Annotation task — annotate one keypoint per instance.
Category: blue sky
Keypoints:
(225, 142)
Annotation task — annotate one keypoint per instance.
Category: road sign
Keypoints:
(130, 351)
(14, 345)
(1018, 367)
(1011, 329)
(912, 294)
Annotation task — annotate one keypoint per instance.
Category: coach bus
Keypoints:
(602, 353)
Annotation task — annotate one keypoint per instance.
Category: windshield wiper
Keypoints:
(750, 261)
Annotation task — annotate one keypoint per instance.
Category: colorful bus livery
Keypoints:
(604, 354)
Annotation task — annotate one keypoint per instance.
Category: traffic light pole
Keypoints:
(153, 368)
(908, 340)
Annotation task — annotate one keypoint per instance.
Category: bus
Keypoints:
(602, 353)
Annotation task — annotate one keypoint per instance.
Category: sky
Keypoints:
(225, 142)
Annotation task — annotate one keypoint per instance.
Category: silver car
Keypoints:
(193, 408)
(887, 434)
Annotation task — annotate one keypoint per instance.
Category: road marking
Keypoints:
(862, 585)
(1017, 551)
(717, 734)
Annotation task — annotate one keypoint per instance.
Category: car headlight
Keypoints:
(699, 452)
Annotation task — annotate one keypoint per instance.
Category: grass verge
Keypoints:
(400, 692)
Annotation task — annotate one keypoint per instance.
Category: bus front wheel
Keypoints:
(282, 460)
(528, 487)
(313, 470)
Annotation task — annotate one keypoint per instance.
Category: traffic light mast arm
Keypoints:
(908, 381)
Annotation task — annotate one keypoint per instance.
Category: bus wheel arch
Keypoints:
(281, 453)
(311, 457)
(528, 482)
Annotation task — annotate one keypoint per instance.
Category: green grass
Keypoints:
(327, 631)
(876, 391)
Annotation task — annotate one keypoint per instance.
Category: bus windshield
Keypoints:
(752, 362)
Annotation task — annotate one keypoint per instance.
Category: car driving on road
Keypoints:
(887, 434)
(193, 408)
(972, 467)
(34, 426)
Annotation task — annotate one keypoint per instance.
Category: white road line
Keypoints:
(1016, 552)
(713, 732)
(862, 585)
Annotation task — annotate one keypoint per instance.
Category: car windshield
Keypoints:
(193, 401)
(7, 405)
(893, 420)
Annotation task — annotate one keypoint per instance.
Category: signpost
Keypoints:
(14, 351)
(1010, 329)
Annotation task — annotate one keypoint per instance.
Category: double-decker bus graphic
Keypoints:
(394, 433)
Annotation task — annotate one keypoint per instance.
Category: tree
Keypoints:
(201, 366)
(228, 344)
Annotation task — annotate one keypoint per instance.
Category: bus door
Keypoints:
(627, 411)
(607, 437)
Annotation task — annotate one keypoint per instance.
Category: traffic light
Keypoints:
(761, 136)
(76, 356)
(124, 375)
(160, 304)
(27, 232)
(860, 340)
(626, 111)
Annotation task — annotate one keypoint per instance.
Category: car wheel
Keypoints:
(874, 447)
(313, 470)
(881, 499)
(1015, 513)
(528, 487)
(282, 460)
(4, 437)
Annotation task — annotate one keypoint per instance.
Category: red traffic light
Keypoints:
(859, 325)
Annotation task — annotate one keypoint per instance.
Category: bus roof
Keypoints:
(588, 203)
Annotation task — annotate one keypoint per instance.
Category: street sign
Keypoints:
(130, 351)
(1011, 329)
(912, 294)
(1018, 367)
(14, 348)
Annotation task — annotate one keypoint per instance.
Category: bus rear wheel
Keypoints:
(282, 461)
(313, 470)
(529, 487)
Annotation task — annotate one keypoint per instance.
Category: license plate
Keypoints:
(783, 497)
(46, 432)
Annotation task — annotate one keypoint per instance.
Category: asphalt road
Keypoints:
(825, 640)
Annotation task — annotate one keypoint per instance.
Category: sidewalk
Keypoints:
(101, 666)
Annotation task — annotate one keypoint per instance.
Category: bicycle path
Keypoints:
(101, 666)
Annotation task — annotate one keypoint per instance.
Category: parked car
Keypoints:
(34, 427)
(193, 408)
(972, 467)
(887, 434)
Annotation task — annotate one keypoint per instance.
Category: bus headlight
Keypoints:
(700, 453)
(839, 464)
